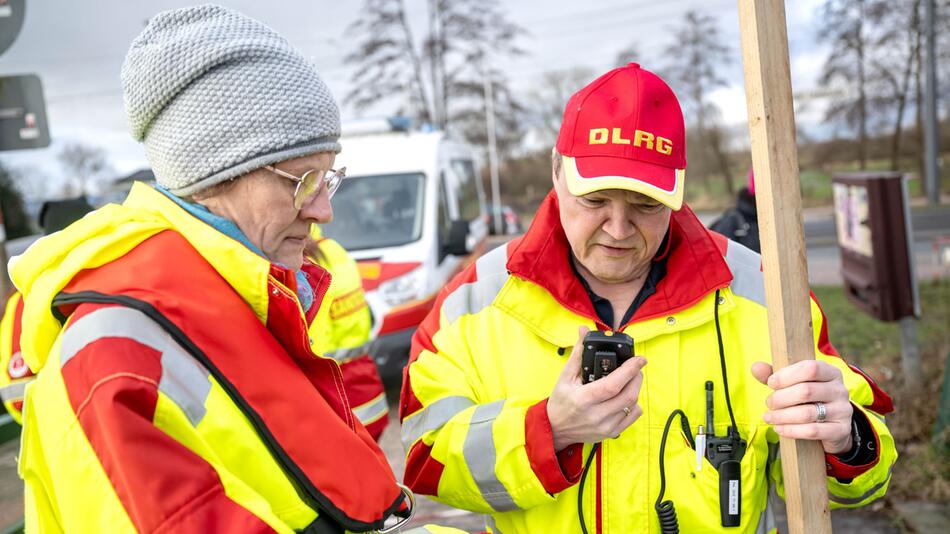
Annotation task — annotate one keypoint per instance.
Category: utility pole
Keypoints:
(930, 108)
(492, 149)
(910, 344)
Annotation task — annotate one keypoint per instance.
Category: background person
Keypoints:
(15, 374)
(741, 223)
(342, 330)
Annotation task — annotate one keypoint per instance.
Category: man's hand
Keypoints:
(792, 409)
(590, 413)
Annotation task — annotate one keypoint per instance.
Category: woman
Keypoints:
(176, 387)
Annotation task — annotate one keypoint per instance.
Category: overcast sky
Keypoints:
(77, 48)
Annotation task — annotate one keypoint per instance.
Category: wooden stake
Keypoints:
(778, 200)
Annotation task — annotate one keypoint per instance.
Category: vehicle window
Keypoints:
(444, 221)
(469, 204)
(377, 211)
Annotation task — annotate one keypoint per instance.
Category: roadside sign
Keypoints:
(11, 20)
(851, 218)
(875, 236)
(22, 113)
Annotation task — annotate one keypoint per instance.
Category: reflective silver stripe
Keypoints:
(372, 410)
(475, 296)
(345, 355)
(183, 380)
(115, 321)
(490, 523)
(417, 530)
(856, 500)
(767, 522)
(432, 417)
(14, 392)
(747, 279)
(479, 453)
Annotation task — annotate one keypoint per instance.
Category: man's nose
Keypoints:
(318, 209)
(619, 225)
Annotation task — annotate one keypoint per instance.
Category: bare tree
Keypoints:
(694, 70)
(388, 61)
(465, 38)
(847, 25)
(32, 181)
(876, 54)
(83, 163)
(630, 54)
(440, 76)
(551, 95)
(16, 223)
(896, 44)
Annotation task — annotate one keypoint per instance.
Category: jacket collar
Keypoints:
(695, 265)
(109, 233)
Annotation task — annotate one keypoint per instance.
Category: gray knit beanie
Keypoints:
(214, 94)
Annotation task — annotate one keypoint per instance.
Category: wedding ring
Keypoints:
(626, 411)
(822, 412)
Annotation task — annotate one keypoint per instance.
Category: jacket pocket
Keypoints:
(695, 489)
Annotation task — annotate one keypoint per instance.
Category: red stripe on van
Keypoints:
(375, 273)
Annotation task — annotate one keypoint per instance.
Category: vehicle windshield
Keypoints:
(377, 211)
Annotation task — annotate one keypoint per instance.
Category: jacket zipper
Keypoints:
(305, 339)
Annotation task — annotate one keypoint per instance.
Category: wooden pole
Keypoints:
(779, 202)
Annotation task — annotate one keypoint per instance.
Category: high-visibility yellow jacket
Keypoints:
(176, 386)
(342, 331)
(14, 373)
(483, 363)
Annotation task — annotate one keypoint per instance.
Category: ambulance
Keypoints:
(412, 213)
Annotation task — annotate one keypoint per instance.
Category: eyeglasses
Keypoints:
(309, 184)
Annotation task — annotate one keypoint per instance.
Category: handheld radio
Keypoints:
(603, 353)
(724, 453)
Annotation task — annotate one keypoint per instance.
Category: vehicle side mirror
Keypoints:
(458, 235)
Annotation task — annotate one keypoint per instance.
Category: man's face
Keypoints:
(614, 234)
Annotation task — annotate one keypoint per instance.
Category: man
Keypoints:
(342, 330)
(497, 419)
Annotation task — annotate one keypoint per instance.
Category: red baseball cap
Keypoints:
(625, 130)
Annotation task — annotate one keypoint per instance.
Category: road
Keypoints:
(824, 257)
(927, 222)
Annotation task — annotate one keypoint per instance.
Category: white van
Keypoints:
(412, 213)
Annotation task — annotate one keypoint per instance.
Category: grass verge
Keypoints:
(923, 470)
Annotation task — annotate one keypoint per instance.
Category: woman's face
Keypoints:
(261, 204)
